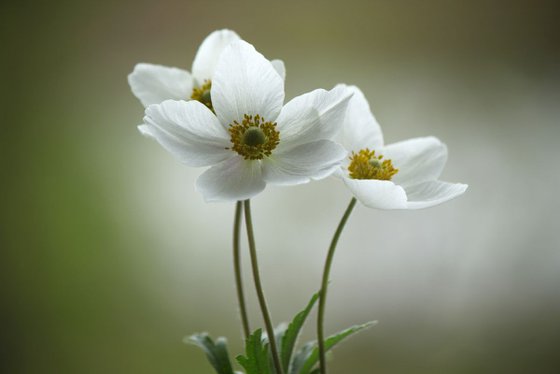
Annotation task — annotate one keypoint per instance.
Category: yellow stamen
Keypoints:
(202, 94)
(366, 165)
(254, 138)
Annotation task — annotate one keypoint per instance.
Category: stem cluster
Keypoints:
(246, 207)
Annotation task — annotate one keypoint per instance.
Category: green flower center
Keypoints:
(202, 94)
(253, 138)
(366, 165)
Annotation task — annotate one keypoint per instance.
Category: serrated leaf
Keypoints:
(308, 356)
(289, 337)
(216, 352)
(256, 359)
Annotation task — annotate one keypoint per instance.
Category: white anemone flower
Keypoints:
(153, 84)
(251, 138)
(402, 175)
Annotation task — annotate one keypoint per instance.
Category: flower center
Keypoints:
(366, 165)
(202, 94)
(253, 138)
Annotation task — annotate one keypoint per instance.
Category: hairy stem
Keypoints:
(325, 284)
(258, 286)
(237, 269)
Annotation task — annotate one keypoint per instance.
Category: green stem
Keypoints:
(258, 286)
(325, 284)
(237, 269)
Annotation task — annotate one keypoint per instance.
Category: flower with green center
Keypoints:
(402, 175)
(251, 138)
(153, 84)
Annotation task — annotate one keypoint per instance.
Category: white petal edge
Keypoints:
(377, 193)
(418, 160)
(246, 83)
(209, 52)
(188, 130)
(361, 129)
(296, 125)
(231, 180)
(146, 131)
(315, 160)
(433, 193)
(279, 67)
(153, 84)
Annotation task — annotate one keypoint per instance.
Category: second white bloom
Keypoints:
(252, 139)
(402, 175)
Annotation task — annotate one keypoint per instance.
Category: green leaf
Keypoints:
(256, 359)
(290, 335)
(308, 356)
(279, 332)
(216, 352)
(301, 356)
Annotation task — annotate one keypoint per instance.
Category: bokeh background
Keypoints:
(109, 256)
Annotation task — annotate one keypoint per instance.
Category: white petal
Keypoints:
(279, 67)
(377, 193)
(209, 52)
(146, 131)
(298, 124)
(361, 129)
(246, 83)
(189, 130)
(433, 193)
(152, 84)
(315, 160)
(232, 180)
(418, 160)
(341, 172)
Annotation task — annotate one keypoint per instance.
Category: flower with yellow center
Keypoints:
(402, 175)
(250, 138)
(153, 84)
(366, 165)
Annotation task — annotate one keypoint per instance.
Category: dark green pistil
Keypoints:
(206, 99)
(254, 136)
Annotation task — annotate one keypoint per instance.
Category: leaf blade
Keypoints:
(216, 353)
(291, 334)
(311, 356)
(256, 359)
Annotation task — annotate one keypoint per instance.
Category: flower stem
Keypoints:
(237, 269)
(324, 285)
(258, 286)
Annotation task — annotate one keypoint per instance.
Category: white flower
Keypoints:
(251, 139)
(153, 84)
(402, 175)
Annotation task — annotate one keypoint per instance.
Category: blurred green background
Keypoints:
(109, 256)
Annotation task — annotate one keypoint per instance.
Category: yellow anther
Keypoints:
(202, 94)
(366, 165)
(253, 138)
